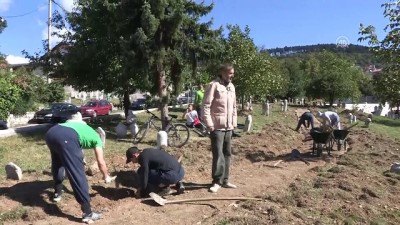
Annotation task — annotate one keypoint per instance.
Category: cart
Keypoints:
(321, 141)
(340, 138)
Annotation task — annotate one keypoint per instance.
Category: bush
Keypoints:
(9, 94)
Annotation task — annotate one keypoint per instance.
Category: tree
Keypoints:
(331, 77)
(9, 94)
(256, 73)
(124, 46)
(297, 81)
(3, 24)
(388, 82)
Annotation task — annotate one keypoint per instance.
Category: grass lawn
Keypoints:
(32, 154)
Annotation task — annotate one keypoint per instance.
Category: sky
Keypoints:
(273, 23)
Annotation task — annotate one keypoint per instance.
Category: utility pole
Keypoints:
(49, 37)
(49, 27)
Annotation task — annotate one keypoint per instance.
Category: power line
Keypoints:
(24, 14)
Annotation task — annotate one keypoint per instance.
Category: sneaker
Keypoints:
(57, 196)
(180, 189)
(90, 218)
(164, 191)
(214, 188)
(228, 185)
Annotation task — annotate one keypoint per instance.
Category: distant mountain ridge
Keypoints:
(362, 55)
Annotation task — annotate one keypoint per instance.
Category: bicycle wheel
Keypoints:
(178, 135)
(141, 133)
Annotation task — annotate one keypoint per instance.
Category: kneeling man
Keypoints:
(158, 171)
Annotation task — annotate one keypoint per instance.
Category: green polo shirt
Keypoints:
(88, 137)
(199, 98)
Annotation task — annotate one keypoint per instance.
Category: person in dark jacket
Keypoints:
(308, 118)
(157, 172)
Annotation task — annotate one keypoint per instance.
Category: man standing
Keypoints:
(66, 142)
(158, 170)
(220, 117)
(198, 100)
(305, 117)
(330, 118)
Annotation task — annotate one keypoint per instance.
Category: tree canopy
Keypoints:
(386, 83)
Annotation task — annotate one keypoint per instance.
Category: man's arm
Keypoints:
(101, 162)
(207, 101)
(234, 111)
(144, 165)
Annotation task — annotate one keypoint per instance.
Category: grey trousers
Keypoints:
(221, 152)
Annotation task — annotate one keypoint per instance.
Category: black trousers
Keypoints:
(67, 158)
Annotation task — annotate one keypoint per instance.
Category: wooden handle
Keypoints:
(211, 199)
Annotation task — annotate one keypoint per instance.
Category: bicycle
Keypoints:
(178, 134)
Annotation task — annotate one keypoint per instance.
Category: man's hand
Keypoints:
(109, 179)
(211, 129)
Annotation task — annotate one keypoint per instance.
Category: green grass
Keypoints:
(13, 215)
(385, 126)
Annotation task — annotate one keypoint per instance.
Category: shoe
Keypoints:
(215, 188)
(90, 218)
(164, 191)
(57, 196)
(180, 188)
(229, 185)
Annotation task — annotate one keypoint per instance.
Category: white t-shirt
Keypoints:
(191, 116)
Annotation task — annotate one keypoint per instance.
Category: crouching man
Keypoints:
(157, 172)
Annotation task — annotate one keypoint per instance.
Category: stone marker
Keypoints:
(368, 122)
(265, 108)
(350, 118)
(285, 105)
(248, 124)
(395, 167)
(134, 129)
(13, 171)
(247, 106)
(282, 106)
(162, 139)
(93, 169)
(131, 118)
(121, 130)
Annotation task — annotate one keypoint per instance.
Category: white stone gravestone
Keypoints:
(368, 122)
(13, 171)
(133, 127)
(162, 139)
(285, 105)
(121, 130)
(248, 124)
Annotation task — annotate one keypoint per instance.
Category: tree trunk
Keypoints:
(163, 94)
(127, 103)
(242, 99)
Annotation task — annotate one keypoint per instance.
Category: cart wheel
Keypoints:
(345, 145)
(339, 144)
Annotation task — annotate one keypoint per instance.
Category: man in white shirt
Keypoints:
(330, 118)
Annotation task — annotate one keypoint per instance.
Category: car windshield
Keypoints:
(91, 104)
(56, 106)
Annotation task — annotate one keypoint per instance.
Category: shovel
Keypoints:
(162, 201)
